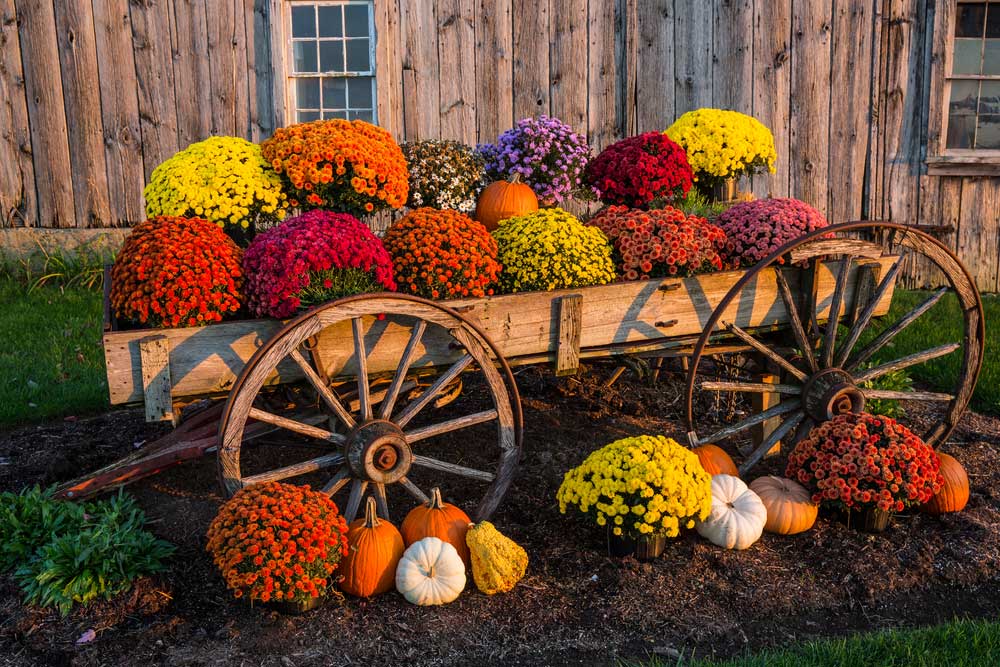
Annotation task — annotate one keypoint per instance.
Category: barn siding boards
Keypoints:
(277, 51)
(655, 64)
(456, 29)
(494, 68)
(421, 72)
(155, 78)
(258, 71)
(732, 63)
(693, 26)
(389, 68)
(978, 237)
(530, 96)
(46, 113)
(568, 63)
(772, 49)
(627, 63)
(18, 199)
(191, 71)
(603, 76)
(223, 69)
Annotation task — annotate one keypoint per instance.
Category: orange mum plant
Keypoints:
(275, 541)
(347, 166)
(442, 254)
(176, 272)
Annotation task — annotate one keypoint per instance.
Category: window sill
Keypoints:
(964, 163)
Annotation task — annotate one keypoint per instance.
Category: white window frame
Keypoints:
(290, 76)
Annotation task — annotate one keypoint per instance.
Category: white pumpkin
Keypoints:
(738, 514)
(430, 572)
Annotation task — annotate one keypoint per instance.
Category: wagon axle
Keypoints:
(377, 451)
(831, 392)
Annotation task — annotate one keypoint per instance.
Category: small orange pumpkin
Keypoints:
(715, 461)
(505, 199)
(438, 519)
(374, 548)
(789, 506)
(954, 495)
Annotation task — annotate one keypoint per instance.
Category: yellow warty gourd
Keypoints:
(498, 562)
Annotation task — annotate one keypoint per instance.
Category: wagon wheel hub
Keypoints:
(377, 451)
(831, 392)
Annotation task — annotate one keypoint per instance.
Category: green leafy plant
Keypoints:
(29, 519)
(698, 204)
(893, 381)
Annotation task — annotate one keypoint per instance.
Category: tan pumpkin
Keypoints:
(374, 548)
(715, 461)
(505, 199)
(438, 519)
(954, 495)
(789, 506)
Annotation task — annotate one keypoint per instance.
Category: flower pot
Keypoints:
(724, 191)
(650, 547)
(296, 607)
(620, 546)
(868, 520)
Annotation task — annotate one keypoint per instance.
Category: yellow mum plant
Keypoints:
(643, 485)
(222, 179)
(550, 249)
(723, 144)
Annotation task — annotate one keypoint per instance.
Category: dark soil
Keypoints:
(576, 606)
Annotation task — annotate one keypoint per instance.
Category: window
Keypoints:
(331, 60)
(974, 81)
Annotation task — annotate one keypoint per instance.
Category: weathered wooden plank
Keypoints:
(938, 57)
(243, 72)
(457, 40)
(119, 111)
(277, 49)
(421, 71)
(46, 113)
(772, 84)
(389, 68)
(602, 75)
(154, 355)
(655, 64)
(494, 71)
(221, 27)
(192, 71)
(626, 54)
(568, 63)
(259, 70)
(979, 231)
(155, 76)
(732, 80)
(530, 96)
(18, 202)
(692, 57)
(570, 327)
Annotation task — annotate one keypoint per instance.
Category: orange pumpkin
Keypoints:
(715, 461)
(789, 506)
(505, 199)
(374, 548)
(954, 495)
(438, 519)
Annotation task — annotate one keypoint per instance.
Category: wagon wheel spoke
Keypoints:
(312, 465)
(328, 397)
(906, 395)
(765, 350)
(354, 500)
(296, 426)
(759, 418)
(836, 303)
(883, 338)
(791, 421)
(413, 490)
(456, 424)
(907, 361)
(866, 315)
(795, 320)
(389, 402)
(359, 350)
(413, 408)
(381, 501)
(444, 466)
(751, 387)
(337, 482)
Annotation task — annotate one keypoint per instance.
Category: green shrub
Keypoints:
(29, 519)
(893, 381)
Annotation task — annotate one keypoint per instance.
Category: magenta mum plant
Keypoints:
(757, 228)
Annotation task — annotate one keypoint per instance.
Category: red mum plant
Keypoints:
(660, 242)
(278, 542)
(313, 258)
(442, 254)
(859, 461)
(758, 228)
(644, 171)
(176, 272)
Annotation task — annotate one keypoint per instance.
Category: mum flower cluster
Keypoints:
(349, 166)
(643, 485)
(546, 152)
(315, 257)
(647, 170)
(860, 460)
(442, 254)
(723, 144)
(550, 249)
(660, 242)
(275, 541)
(222, 179)
(176, 272)
(444, 174)
(758, 228)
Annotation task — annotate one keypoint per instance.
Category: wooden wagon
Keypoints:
(358, 387)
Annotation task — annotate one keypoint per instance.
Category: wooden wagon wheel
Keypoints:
(372, 443)
(823, 369)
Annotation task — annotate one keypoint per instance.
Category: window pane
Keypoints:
(989, 98)
(962, 114)
(335, 114)
(305, 56)
(361, 115)
(307, 93)
(970, 19)
(307, 116)
(993, 21)
(356, 20)
(991, 58)
(359, 92)
(988, 136)
(303, 21)
(331, 56)
(968, 56)
(334, 93)
(331, 22)
(357, 55)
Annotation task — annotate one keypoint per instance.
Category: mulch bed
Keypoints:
(576, 606)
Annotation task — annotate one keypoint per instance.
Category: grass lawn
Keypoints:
(954, 644)
(51, 360)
